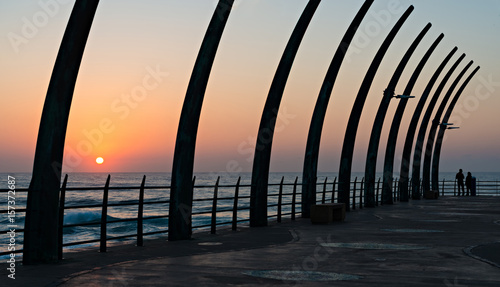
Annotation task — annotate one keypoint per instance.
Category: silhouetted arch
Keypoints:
(352, 125)
(262, 156)
(443, 128)
(41, 225)
(181, 192)
(396, 122)
(410, 135)
(417, 154)
(371, 156)
(426, 172)
(310, 170)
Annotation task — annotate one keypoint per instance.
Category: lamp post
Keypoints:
(310, 170)
(263, 146)
(443, 127)
(378, 122)
(390, 149)
(181, 192)
(357, 109)
(42, 208)
(426, 171)
(417, 154)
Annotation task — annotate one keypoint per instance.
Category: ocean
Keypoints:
(203, 190)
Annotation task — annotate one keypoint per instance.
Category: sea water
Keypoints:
(157, 190)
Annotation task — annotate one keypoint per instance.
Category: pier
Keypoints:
(452, 241)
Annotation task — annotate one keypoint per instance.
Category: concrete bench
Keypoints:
(431, 194)
(327, 212)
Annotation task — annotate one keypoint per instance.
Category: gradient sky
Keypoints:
(139, 58)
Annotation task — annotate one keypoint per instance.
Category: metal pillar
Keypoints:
(396, 122)
(352, 125)
(426, 171)
(181, 193)
(417, 154)
(41, 225)
(410, 135)
(371, 156)
(443, 128)
(310, 170)
(262, 156)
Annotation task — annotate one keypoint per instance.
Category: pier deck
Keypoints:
(451, 241)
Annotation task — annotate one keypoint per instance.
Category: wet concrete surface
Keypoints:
(388, 245)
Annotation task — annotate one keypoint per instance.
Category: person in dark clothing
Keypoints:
(460, 181)
(468, 182)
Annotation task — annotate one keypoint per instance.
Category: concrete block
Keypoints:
(328, 212)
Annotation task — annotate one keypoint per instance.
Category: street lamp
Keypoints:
(446, 125)
(404, 97)
(397, 96)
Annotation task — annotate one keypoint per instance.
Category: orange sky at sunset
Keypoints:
(140, 55)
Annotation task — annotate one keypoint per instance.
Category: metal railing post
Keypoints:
(395, 189)
(398, 193)
(410, 190)
(235, 204)
(333, 189)
(454, 188)
(214, 207)
(324, 191)
(361, 193)
(354, 193)
(140, 211)
(294, 194)
(399, 190)
(442, 190)
(104, 216)
(62, 200)
(280, 195)
(378, 191)
(420, 189)
(477, 185)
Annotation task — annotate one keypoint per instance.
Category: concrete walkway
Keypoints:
(444, 242)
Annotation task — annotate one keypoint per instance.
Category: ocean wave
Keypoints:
(78, 217)
(79, 201)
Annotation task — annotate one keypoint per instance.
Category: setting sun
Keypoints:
(99, 160)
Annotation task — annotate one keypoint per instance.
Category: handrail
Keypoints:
(494, 183)
(285, 198)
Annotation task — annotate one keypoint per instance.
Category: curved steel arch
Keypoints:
(181, 192)
(443, 128)
(396, 122)
(352, 125)
(262, 156)
(310, 171)
(410, 135)
(371, 156)
(41, 225)
(426, 172)
(417, 154)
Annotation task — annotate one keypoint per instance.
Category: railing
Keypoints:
(285, 204)
(483, 188)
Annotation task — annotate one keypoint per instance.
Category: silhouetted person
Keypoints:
(460, 181)
(468, 182)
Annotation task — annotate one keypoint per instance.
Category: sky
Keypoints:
(139, 58)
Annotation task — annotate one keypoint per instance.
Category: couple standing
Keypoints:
(460, 181)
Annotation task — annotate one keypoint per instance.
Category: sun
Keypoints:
(99, 160)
